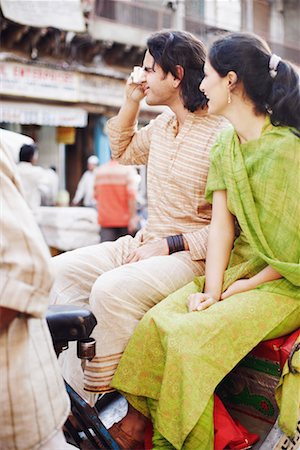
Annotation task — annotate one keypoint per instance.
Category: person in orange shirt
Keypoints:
(115, 191)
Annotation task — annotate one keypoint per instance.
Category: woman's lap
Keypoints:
(180, 357)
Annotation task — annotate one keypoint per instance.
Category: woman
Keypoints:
(186, 344)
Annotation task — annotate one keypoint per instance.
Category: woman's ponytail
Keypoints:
(284, 98)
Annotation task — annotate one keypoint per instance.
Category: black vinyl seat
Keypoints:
(69, 323)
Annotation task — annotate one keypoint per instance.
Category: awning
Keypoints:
(42, 114)
(63, 14)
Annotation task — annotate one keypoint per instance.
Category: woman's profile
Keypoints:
(185, 345)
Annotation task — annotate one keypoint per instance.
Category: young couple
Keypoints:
(186, 344)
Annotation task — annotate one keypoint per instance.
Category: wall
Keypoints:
(224, 14)
(48, 147)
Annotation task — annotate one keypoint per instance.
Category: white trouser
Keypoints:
(119, 295)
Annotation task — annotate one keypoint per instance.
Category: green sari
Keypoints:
(175, 359)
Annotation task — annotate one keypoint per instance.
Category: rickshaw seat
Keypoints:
(248, 391)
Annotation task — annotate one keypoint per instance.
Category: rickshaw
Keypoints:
(248, 391)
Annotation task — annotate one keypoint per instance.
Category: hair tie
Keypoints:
(273, 64)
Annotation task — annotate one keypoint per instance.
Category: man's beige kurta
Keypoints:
(34, 403)
(177, 167)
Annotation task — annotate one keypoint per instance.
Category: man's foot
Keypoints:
(129, 433)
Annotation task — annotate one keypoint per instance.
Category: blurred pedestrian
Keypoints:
(34, 403)
(115, 193)
(85, 188)
(34, 179)
(53, 181)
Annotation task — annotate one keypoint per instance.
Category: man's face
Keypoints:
(91, 166)
(158, 87)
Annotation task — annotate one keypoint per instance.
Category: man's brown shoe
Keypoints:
(129, 433)
(124, 440)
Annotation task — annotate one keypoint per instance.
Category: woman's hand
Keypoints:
(236, 287)
(199, 301)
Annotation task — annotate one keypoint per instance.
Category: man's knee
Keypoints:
(66, 271)
(107, 292)
(120, 291)
(62, 264)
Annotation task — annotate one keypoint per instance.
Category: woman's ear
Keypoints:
(232, 79)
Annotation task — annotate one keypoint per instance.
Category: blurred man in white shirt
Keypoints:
(34, 178)
(85, 188)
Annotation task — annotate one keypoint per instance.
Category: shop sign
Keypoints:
(33, 82)
(102, 90)
(38, 82)
(33, 113)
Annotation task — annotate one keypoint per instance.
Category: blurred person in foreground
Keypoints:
(85, 189)
(115, 191)
(120, 281)
(186, 345)
(34, 403)
(36, 184)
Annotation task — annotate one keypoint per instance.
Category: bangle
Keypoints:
(175, 243)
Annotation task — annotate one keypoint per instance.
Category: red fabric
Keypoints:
(287, 346)
(229, 433)
(148, 436)
(276, 349)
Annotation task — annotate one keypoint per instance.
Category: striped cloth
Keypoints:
(34, 403)
(177, 171)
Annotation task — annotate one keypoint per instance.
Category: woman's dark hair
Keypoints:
(27, 152)
(172, 48)
(249, 57)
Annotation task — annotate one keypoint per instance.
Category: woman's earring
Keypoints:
(228, 97)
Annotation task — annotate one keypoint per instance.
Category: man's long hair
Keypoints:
(172, 48)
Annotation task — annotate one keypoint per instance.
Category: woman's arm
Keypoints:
(220, 241)
(265, 275)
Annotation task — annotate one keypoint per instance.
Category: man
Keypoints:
(34, 179)
(115, 191)
(85, 188)
(34, 403)
(122, 280)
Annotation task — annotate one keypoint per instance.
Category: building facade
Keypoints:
(63, 69)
